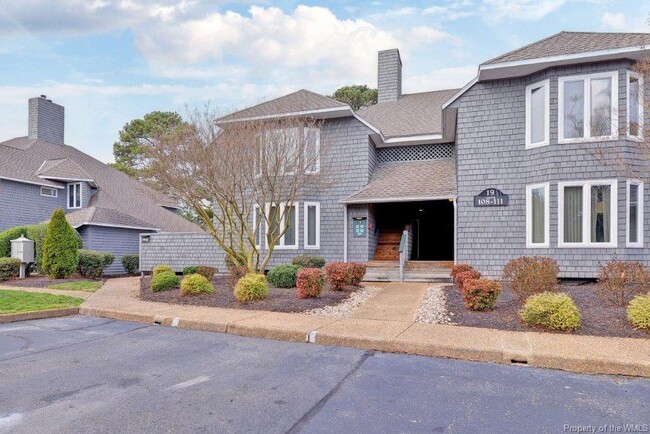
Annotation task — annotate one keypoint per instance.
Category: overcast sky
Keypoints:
(110, 61)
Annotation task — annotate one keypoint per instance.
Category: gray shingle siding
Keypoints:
(118, 241)
(490, 152)
(22, 204)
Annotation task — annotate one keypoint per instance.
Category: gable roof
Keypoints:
(297, 103)
(119, 200)
(567, 43)
(411, 115)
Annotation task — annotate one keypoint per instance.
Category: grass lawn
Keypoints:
(79, 285)
(23, 301)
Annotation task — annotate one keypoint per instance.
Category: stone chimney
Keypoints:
(46, 120)
(389, 77)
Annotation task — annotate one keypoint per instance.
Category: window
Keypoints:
(588, 107)
(587, 214)
(74, 195)
(311, 154)
(537, 114)
(634, 231)
(537, 215)
(634, 105)
(49, 192)
(280, 151)
(279, 218)
(257, 225)
(312, 225)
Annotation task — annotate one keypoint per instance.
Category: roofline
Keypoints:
(32, 182)
(398, 199)
(59, 178)
(342, 109)
(464, 89)
(109, 225)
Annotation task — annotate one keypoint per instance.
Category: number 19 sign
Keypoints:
(491, 197)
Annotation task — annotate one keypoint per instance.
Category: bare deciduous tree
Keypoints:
(248, 173)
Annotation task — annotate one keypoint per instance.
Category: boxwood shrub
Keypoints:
(160, 269)
(9, 268)
(131, 263)
(251, 287)
(92, 264)
(164, 280)
(309, 261)
(194, 284)
(190, 269)
(638, 312)
(555, 311)
(283, 276)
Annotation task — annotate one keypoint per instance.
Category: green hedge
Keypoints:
(283, 276)
(9, 268)
(92, 264)
(131, 263)
(164, 280)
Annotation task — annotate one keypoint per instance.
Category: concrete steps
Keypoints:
(414, 271)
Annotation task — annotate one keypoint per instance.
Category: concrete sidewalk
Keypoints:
(373, 327)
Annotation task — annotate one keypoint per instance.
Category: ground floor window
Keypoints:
(587, 213)
(279, 218)
(312, 225)
(537, 215)
(634, 214)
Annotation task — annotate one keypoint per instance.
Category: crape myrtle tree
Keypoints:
(240, 178)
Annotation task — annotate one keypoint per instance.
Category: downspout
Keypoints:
(345, 233)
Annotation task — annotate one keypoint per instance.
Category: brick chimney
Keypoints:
(46, 120)
(389, 77)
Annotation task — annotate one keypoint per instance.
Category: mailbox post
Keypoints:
(23, 248)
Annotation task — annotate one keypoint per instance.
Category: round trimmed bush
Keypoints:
(251, 287)
(480, 294)
(92, 264)
(9, 268)
(464, 276)
(530, 275)
(131, 263)
(555, 311)
(309, 261)
(310, 282)
(283, 276)
(164, 281)
(190, 270)
(160, 269)
(459, 268)
(196, 284)
(357, 272)
(638, 312)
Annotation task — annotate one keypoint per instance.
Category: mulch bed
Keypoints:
(598, 317)
(279, 299)
(37, 281)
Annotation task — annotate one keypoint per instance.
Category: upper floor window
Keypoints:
(537, 114)
(280, 152)
(49, 192)
(634, 105)
(588, 107)
(311, 154)
(74, 195)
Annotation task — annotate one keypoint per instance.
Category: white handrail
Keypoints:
(403, 252)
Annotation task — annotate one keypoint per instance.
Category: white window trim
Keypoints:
(306, 131)
(53, 190)
(632, 74)
(529, 216)
(280, 245)
(587, 107)
(547, 115)
(586, 213)
(639, 217)
(260, 232)
(306, 206)
(71, 185)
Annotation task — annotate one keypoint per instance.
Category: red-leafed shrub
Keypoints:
(480, 294)
(310, 282)
(338, 274)
(620, 281)
(464, 276)
(459, 268)
(529, 275)
(357, 273)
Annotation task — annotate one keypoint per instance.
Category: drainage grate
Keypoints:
(521, 362)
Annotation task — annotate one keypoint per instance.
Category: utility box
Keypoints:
(23, 248)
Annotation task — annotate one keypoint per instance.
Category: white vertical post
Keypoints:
(455, 228)
(345, 233)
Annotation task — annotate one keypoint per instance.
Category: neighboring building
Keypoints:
(521, 136)
(39, 174)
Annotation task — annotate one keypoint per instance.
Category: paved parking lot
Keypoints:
(84, 374)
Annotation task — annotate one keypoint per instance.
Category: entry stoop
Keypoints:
(414, 271)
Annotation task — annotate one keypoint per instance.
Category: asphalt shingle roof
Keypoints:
(566, 43)
(410, 180)
(411, 115)
(302, 100)
(119, 200)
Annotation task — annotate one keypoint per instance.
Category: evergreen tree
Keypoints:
(60, 248)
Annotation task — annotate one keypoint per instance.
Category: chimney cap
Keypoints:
(43, 96)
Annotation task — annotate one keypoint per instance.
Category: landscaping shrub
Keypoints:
(283, 276)
(459, 268)
(10, 234)
(190, 270)
(619, 281)
(464, 276)
(193, 284)
(251, 287)
(638, 312)
(205, 271)
(131, 263)
(60, 248)
(480, 294)
(160, 269)
(164, 280)
(529, 275)
(92, 264)
(338, 274)
(9, 268)
(551, 310)
(310, 282)
(357, 272)
(309, 261)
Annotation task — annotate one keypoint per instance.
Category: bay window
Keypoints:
(588, 107)
(537, 114)
(537, 215)
(634, 231)
(634, 105)
(587, 214)
(312, 225)
(74, 195)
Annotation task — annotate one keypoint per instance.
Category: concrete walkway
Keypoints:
(373, 327)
